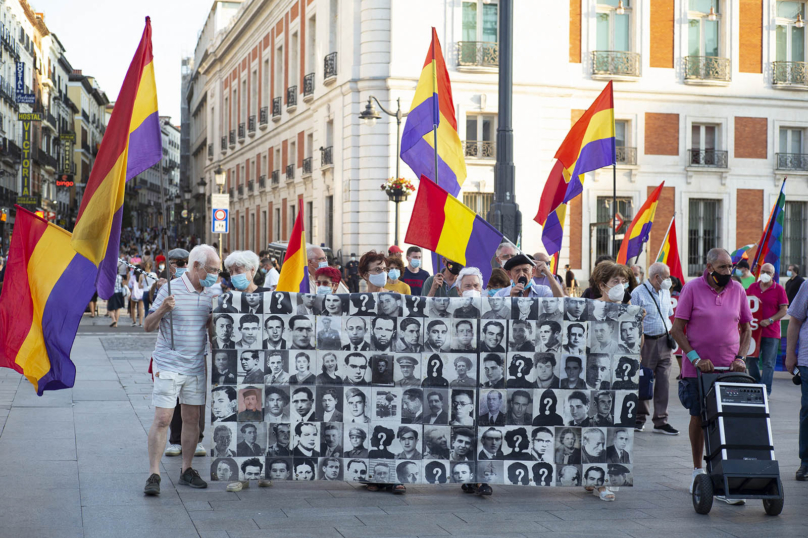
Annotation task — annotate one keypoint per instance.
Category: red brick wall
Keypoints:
(284, 216)
(284, 155)
(662, 33)
(750, 57)
(751, 138)
(301, 141)
(748, 216)
(664, 213)
(661, 134)
(270, 223)
(270, 161)
(575, 31)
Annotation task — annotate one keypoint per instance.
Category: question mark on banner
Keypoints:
(626, 370)
(520, 473)
(365, 299)
(437, 473)
(434, 368)
(630, 405)
(547, 403)
(279, 298)
(544, 473)
(521, 363)
(517, 440)
(382, 438)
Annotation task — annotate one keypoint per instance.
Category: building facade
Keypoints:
(709, 97)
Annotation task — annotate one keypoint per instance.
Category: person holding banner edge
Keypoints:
(773, 307)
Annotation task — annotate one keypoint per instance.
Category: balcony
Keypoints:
(262, 182)
(707, 158)
(276, 178)
(306, 167)
(473, 55)
(276, 109)
(330, 68)
(251, 125)
(263, 117)
(626, 155)
(308, 87)
(290, 172)
(291, 98)
(327, 157)
(231, 192)
(474, 149)
(240, 191)
(86, 147)
(707, 70)
(241, 132)
(224, 143)
(790, 75)
(615, 65)
(232, 138)
(250, 186)
(792, 161)
(85, 115)
(46, 160)
(50, 121)
(210, 151)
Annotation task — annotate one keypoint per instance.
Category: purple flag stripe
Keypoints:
(145, 146)
(108, 268)
(594, 155)
(482, 247)
(552, 233)
(421, 158)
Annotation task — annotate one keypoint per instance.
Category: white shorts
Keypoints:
(168, 386)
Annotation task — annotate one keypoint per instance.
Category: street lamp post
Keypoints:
(369, 116)
(201, 189)
(220, 177)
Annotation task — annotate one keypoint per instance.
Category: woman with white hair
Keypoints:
(242, 266)
(470, 282)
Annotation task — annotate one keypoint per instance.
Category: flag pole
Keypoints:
(435, 116)
(614, 209)
(664, 239)
(165, 245)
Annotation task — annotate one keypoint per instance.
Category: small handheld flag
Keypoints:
(669, 252)
(770, 245)
(742, 253)
(294, 275)
(639, 229)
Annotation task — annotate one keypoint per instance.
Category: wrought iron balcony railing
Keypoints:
(330, 66)
(475, 149)
(232, 137)
(307, 166)
(615, 63)
(250, 186)
(290, 172)
(477, 54)
(792, 161)
(276, 177)
(291, 96)
(224, 143)
(711, 158)
(276, 108)
(241, 131)
(790, 73)
(241, 190)
(210, 151)
(263, 115)
(707, 68)
(626, 155)
(308, 85)
(327, 157)
(262, 182)
(251, 124)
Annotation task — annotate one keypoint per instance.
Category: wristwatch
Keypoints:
(740, 358)
(771, 320)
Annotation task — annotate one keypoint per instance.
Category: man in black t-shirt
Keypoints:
(414, 276)
(352, 274)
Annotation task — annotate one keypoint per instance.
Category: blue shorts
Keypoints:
(689, 395)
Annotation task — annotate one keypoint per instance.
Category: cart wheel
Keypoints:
(702, 494)
(773, 507)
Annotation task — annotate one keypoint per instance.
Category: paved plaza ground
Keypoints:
(73, 464)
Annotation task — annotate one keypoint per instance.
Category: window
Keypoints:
(791, 140)
(253, 93)
(311, 47)
(603, 233)
(791, 153)
(333, 25)
(620, 132)
(277, 224)
(479, 202)
(264, 225)
(613, 30)
(243, 117)
(703, 33)
(292, 209)
(329, 221)
(293, 61)
(790, 38)
(279, 89)
(241, 244)
(481, 132)
(265, 84)
(480, 21)
(704, 233)
(793, 239)
(310, 222)
(704, 146)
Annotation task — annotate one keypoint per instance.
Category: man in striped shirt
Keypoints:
(179, 369)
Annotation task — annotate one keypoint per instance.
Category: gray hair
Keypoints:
(503, 245)
(657, 268)
(310, 252)
(642, 271)
(201, 254)
(242, 258)
(469, 271)
(714, 253)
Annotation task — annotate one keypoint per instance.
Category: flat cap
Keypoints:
(519, 259)
(178, 254)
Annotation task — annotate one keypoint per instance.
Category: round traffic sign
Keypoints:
(220, 214)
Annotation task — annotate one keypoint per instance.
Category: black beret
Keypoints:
(519, 259)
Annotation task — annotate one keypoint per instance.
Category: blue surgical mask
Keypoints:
(263, 270)
(209, 280)
(240, 281)
(527, 286)
(322, 264)
(416, 263)
(738, 272)
(394, 274)
(323, 290)
(181, 271)
(492, 291)
(789, 274)
(625, 285)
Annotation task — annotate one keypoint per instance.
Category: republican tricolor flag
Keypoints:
(294, 275)
(640, 228)
(132, 143)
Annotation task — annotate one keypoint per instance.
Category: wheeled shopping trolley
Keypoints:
(739, 453)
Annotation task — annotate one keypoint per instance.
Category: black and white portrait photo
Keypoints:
(465, 307)
(520, 370)
(437, 406)
(278, 468)
(490, 472)
(301, 332)
(386, 404)
(274, 327)
(437, 441)
(303, 404)
(493, 336)
(619, 475)
(567, 446)
(437, 338)
(330, 367)
(630, 337)
(412, 406)
(355, 441)
(496, 308)
(329, 404)
(410, 336)
(381, 437)
(619, 445)
(572, 373)
(463, 373)
(332, 305)
(548, 336)
(362, 304)
(462, 407)
(277, 367)
(463, 472)
(304, 468)
(276, 403)
(279, 440)
(575, 309)
(356, 470)
(252, 303)
(251, 366)
(252, 468)
(438, 307)
(493, 407)
(525, 308)
(280, 302)
(306, 304)
(251, 439)
(304, 364)
(464, 336)
(601, 311)
(574, 338)
(594, 476)
(626, 372)
(328, 333)
(331, 440)
(356, 367)
(433, 371)
(520, 407)
(383, 334)
(436, 472)
(549, 413)
(389, 305)
(357, 400)
(250, 402)
(568, 475)
(542, 444)
(490, 443)
(521, 336)
(518, 473)
(593, 445)
(598, 371)
(517, 443)
(551, 309)
(415, 306)
(329, 468)
(224, 440)
(381, 366)
(408, 472)
(224, 469)
(223, 404)
(407, 371)
(248, 332)
(547, 371)
(223, 332)
(493, 370)
(355, 335)
(306, 440)
(576, 407)
(542, 474)
(602, 409)
(409, 442)
(603, 337)
(225, 304)
(224, 367)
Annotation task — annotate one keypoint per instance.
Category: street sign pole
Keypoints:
(220, 217)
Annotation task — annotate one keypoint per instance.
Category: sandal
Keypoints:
(113, 324)
(398, 489)
(605, 494)
(373, 487)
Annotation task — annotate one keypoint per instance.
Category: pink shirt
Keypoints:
(713, 319)
(770, 302)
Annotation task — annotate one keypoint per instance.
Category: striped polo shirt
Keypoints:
(192, 309)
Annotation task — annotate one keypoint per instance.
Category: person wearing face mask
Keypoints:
(715, 310)
(773, 307)
(373, 270)
(177, 262)
(470, 284)
(414, 276)
(352, 274)
(443, 284)
(317, 260)
(395, 269)
(745, 276)
(655, 298)
(179, 367)
(520, 270)
(499, 279)
(794, 282)
(242, 266)
(328, 280)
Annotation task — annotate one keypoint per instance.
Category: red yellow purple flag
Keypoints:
(295, 269)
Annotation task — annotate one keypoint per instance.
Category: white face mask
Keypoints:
(666, 284)
(616, 293)
(323, 290)
(378, 280)
(765, 278)
(471, 293)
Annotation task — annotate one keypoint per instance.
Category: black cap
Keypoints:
(617, 469)
(519, 259)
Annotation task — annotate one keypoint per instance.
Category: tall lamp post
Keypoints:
(369, 117)
(219, 176)
(201, 188)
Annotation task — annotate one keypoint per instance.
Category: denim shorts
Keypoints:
(689, 395)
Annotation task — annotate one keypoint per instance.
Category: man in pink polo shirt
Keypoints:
(713, 308)
(773, 307)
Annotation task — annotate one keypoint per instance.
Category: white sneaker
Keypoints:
(696, 472)
(730, 501)
(234, 487)
(200, 450)
(173, 450)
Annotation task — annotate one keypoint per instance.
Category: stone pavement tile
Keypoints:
(784, 530)
(474, 518)
(225, 520)
(108, 464)
(30, 414)
(136, 517)
(413, 528)
(57, 531)
(196, 506)
(317, 512)
(98, 385)
(495, 528)
(498, 535)
(592, 525)
(139, 531)
(329, 532)
(32, 514)
(210, 495)
(446, 519)
(503, 507)
(213, 534)
(312, 522)
(26, 397)
(280, 489)
(35, 430)
(126, 495)
(81, 409)
(362, 499)
(99, 395)
(599, 515)
(458, 507)
(43, 449)
(98, 374)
